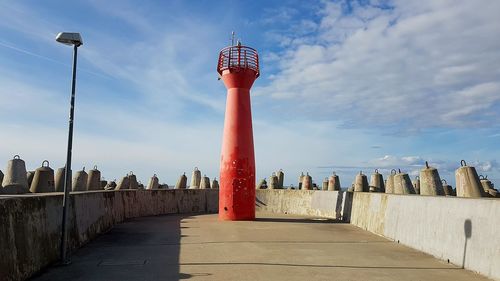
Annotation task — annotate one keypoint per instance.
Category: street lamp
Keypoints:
(75, 40)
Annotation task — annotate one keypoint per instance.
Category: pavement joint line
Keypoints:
(235, 242)
(315, 265)
(139, 262)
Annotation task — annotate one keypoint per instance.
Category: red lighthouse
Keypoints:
(238, 67)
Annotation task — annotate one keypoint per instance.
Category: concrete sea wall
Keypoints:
(463, 231)
(328, 204)
(30, 225)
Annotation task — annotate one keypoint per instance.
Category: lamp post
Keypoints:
(75, 40)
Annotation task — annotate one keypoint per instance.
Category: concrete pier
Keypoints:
(275, 247)
(30, 236)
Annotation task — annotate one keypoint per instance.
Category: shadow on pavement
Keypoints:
(146, 248)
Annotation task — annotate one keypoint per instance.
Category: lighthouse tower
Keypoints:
(238, 67)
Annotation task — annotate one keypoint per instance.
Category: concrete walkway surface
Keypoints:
(274, 247)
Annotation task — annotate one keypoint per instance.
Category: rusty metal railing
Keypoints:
(233, 57)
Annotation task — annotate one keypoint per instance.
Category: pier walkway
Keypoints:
(274, 247)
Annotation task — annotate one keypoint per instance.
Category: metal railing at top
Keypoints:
(238, 57)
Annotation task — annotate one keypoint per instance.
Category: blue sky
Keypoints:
(345, 85)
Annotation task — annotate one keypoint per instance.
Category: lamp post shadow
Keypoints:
(468, 234)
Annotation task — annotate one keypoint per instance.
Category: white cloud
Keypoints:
(413, 66)
(16, 17)
(281, 15)
(163, 71)
(168, 68)
(472, 102)
(486, 166)
(394, 162)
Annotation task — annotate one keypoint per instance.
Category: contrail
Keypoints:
(49, 59)
(30, 53)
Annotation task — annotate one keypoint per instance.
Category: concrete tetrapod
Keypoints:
(215, 184)
(351, 189)
(324, 186)
(488, 187)
(361, 183)
(154, 183)
(281, 178)
(94, 179)
(333, 182)
(301, 178)
(262, 184)
(181, 182)
(123, 183)
(493, 193)
(111, 185)
(467, 181)
(447, 189)
(104, 183)
(389, 186)
(15, 180)
(273, 182)
(60, 173)
(195, 178)
(307, 183)
(29, 176)
(402, 184)
(205, 182)
(430, 182)
(43, 181)
(133, 183)
(416, 185)
(140, 186)
(377, 182)
(485, 183)
(80, 180)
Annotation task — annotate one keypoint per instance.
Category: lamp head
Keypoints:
(69, 38)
